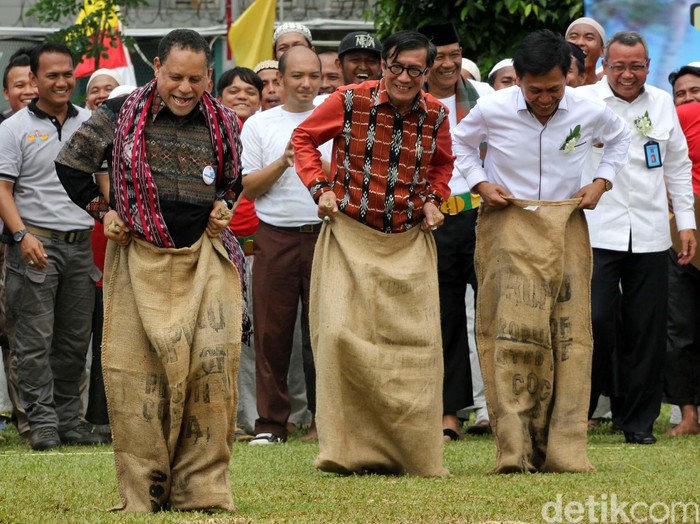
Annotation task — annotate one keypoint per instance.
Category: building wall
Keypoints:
(329, 21)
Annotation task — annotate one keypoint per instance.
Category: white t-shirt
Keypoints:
(458, 184)
(265, 135)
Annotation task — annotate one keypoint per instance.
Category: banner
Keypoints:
(669, 26)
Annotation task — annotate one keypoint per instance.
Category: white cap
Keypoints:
(593, 23)
(472, 69)
(694, 64)
(506, 62)
(120, 91)
(105, 72)
(291, 27)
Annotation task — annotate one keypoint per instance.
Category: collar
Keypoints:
(521, 104)
(607, 92)
(72, 110)
(382, 97)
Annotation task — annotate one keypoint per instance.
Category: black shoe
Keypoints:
(640, 437)
(83, 435)
(44, 439)
(263, 439)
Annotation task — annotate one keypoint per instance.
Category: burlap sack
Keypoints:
(171, 346)
(375, 333)
(534, 335)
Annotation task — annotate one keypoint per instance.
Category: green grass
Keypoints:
(279, 484)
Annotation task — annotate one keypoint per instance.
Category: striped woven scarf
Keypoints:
(134, 187)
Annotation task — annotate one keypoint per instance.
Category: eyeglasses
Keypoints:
(413, 71)
(635, 68)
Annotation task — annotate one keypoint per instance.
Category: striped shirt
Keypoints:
(385, 165)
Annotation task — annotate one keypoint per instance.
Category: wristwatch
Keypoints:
(19, 235)
(608, 184)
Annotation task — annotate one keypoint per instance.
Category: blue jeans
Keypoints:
(51, 312)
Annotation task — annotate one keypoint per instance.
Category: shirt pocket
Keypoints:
(660, 135)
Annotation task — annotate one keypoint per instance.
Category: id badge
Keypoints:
(652, 154)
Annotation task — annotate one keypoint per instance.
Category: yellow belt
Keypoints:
(458, 203)
(246, 244)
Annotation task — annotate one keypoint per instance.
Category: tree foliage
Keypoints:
(91, 36)
(489, 30)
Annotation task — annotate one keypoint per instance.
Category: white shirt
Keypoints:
(264, 138)
(638, 202)
(482, 88)
(525, 156)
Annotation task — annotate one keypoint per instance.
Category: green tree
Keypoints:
(94, 33)
(489, 29)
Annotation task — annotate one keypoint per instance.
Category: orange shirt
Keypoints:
(385, 166)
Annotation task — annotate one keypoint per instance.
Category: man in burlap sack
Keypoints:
(533, 257)
(173, 304)
(374, 314)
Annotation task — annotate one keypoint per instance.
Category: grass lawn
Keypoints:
(278, 484)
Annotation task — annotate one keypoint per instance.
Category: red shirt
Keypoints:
(689, 116)
(244, 222)
(99, 247)
(385, 166)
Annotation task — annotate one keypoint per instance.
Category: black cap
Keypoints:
(441, 34)
(577, 52)
(360, 41)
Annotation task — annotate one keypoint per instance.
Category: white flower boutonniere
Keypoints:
(643, 124)
(569, 144)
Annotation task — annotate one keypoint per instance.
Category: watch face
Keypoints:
(19, 235)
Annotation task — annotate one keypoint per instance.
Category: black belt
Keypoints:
(306, 228)
(69, 237)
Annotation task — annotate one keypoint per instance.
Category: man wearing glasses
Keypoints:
(375, 313)
(630, 236)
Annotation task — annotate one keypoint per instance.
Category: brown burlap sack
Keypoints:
(533, 324)
(375, 333)
(170, 355)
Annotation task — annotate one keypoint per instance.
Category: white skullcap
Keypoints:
(105, 72)
(121, 91)
(594, 24)
(694, 64)
(291, 27)
(472, 69)
(266, 64)
(506, 62)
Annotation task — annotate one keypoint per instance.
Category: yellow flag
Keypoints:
(250, 36)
